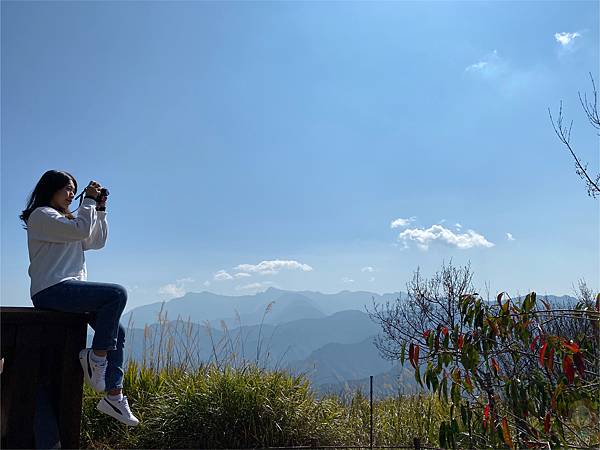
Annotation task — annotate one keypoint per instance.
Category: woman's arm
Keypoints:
(47, 224)
(97, 239)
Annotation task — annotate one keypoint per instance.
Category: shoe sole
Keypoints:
(105, 407)
(84, 356)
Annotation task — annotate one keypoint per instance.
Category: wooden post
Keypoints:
(40, 351)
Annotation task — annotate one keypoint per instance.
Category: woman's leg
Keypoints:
(105, 303)
(105, 300)
(114, 370)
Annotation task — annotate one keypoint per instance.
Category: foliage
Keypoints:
(429, 303)
(507, 379)
(234, 401)
(212, 407)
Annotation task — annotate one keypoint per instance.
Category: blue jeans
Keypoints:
(105, 303)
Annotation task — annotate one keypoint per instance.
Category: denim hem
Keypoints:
(115, 387)
(102, 349)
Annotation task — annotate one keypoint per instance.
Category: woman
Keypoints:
(57, 241)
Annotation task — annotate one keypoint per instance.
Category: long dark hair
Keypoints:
(51, 181)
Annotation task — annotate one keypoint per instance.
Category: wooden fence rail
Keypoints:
(42, 381)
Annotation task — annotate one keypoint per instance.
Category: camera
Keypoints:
(103, 193)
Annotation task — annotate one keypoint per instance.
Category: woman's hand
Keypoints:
(93, 189)
(102, 202)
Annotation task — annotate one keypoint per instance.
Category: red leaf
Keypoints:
(468, 382)
(568, 368)
(460, 341)
(535, 339)
(546, 304)
(445, 331)
(499, 298)
(506, 433)
(486, 415)
(486, 411)
(492, 326)
(426, 334)
(495, 365)
(542, 353)
(547, 422)
(456, 375)
(578, 357)
(416, 356)
(571, 346)
(411, 354)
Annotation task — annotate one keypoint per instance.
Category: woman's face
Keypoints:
(63, 197)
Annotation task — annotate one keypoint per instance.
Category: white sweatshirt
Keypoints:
(56, 243)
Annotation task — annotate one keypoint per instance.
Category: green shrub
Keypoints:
(250, 407)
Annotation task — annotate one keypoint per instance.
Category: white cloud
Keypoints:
(185, 280)
(347, 280)
(176, 289)
(458, 225)
(242, 275)
(402, 223)
(254, 286)
(490, 65)
(272, 267)
(367, 269)
(206, 283)
(510, 237)
(424, 237)
(269, 272)
(222, 275)
(172, 290)
(566, 39)
(477, 66)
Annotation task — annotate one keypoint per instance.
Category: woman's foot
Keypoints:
(94, 369)
(119, 409)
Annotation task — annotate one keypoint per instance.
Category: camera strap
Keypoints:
(81, 197)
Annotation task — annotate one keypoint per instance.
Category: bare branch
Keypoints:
(564, 135)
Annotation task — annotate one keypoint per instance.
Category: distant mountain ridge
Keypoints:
(301, 331)
(336, 363)
(250, 309)
(279, 344)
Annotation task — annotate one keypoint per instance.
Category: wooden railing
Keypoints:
(42, 380)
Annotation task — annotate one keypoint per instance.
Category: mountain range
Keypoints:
(328, 337)
(285, 306)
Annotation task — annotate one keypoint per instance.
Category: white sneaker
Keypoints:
(93, 372)
(119, 409)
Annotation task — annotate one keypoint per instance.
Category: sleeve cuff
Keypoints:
(88, 202)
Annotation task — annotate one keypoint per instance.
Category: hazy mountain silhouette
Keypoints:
(272, 345)
(336, 363)
(303, 332)
(242, 310)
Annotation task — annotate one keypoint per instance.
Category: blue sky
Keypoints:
(296, 134)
